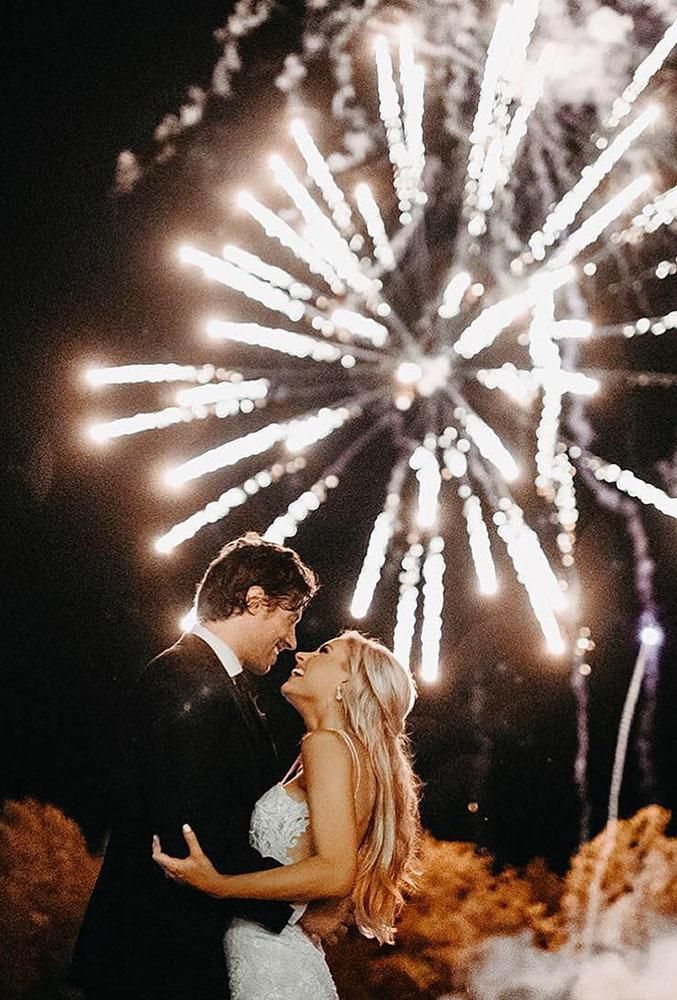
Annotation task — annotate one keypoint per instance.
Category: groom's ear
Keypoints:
(255, 599)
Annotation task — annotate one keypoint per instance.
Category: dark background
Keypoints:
(91, 278)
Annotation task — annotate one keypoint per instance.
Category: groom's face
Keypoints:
(273, 628)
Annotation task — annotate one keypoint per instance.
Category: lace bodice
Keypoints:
(277, 822)
(289, 965)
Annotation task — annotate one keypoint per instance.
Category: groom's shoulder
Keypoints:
(182, 663)
(181, 651)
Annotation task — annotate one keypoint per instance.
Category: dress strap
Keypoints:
(296, 767)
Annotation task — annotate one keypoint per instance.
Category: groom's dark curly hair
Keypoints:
(247, 562)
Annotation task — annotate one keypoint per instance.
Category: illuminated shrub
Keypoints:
(462, 904)
(46, 877)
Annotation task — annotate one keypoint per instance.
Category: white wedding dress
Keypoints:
(290, 965)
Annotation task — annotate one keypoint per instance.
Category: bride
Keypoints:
(343, 822)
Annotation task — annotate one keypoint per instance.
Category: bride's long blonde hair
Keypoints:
(377, 699)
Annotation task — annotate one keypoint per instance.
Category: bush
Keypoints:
(462, 904)
(459, 904)
(46, 877)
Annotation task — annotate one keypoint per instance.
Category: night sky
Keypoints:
(86, 602)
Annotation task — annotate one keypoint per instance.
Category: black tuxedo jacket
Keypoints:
(193, 750)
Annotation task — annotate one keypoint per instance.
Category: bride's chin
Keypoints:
(295, 698)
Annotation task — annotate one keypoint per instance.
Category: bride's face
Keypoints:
(317, 675)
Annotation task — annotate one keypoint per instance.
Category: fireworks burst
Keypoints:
(502, 314)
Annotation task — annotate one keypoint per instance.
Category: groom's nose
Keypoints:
(290, 638)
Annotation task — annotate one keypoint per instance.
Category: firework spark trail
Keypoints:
(135, 374)
(220, 508)
(643, 74)
(222, 399)
(298, 433)
(285, 526)
(277, 229)
(321, 232)
(429, 480)
(384, 528)
(261, 269)
(580, 689)
(318, 170)
(535, 574)
(480, 545)
(412, 81)
(649, 627)
(481, 130)
(517, 129)
(141, 422)
(389, 108)
(647, 653)
(484, 329)
(594, 226)
(296, 345)
(405, 620)
(651, 634)
(522, 17)
(628, 482)
(242, 281)
(433, 604)
(371, 214)
(573, 201)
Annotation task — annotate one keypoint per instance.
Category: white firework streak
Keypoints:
(480, 545)
(433, 606)
(384, 528)
(643, 74)
(405, 622)
(318, 170)
(371, 214)
(422, 373)
(573, 201)
(627, 482)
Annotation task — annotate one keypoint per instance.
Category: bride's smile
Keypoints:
(315, 685)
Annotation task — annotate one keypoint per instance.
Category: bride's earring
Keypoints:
(339, 693)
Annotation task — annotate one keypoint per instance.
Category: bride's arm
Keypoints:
(329, 872)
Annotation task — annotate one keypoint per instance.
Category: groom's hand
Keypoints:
(328, 919)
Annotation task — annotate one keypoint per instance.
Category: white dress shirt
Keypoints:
(231, 664)
(225, 654)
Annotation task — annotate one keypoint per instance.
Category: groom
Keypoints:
(194, 749)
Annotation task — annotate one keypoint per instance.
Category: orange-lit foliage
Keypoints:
(640, 881)
(461, 904)
(46, 877)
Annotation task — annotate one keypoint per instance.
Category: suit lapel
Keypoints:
(255, 722)
(261, 739)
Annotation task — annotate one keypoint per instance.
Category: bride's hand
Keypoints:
(196, 870)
